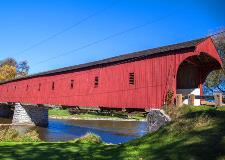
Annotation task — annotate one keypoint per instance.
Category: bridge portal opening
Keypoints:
(192, 74)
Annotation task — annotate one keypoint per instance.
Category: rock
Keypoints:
(156, 118)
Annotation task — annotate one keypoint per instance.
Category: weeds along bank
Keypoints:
(8, 134)
(195, 133)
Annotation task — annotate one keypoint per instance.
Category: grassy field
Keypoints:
(59, 113)
(195, 133)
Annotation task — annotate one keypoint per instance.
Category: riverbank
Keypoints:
(64, 114)
(97, 119)
(195, 133)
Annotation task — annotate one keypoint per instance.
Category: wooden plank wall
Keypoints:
(153, 77)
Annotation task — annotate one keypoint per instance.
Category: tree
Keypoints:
(7, 72)
(216, 79)
(8, 61)
(10, 69)
(22, 69)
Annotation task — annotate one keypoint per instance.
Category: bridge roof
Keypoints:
(122, 58)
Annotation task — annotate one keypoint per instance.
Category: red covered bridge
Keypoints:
(139, 80)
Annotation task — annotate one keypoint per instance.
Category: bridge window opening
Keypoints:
(39, 87)
(131, 78)
(71, 84)
(53, 85)
(96, 82)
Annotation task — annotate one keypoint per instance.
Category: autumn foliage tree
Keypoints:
(10, 69)
(7, 72)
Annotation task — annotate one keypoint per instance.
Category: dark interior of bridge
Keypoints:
(194, 70)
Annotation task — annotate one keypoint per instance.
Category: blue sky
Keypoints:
(24, 23)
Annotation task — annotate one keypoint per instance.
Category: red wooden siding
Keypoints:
(152, 79)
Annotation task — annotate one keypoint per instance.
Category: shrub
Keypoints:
(169, 98)
(89, 138)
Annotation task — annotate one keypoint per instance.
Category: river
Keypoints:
(63, 130)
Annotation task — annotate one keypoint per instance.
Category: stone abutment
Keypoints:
(30, 115)
(21, 114)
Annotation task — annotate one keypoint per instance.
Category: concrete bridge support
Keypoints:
(30, 115)
(6, 110)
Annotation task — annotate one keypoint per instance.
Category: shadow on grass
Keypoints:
(62, 151)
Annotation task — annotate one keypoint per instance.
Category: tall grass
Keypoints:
(11, 135)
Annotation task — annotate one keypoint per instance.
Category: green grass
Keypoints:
(58, 112)
(94, 115)
(196, 133)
